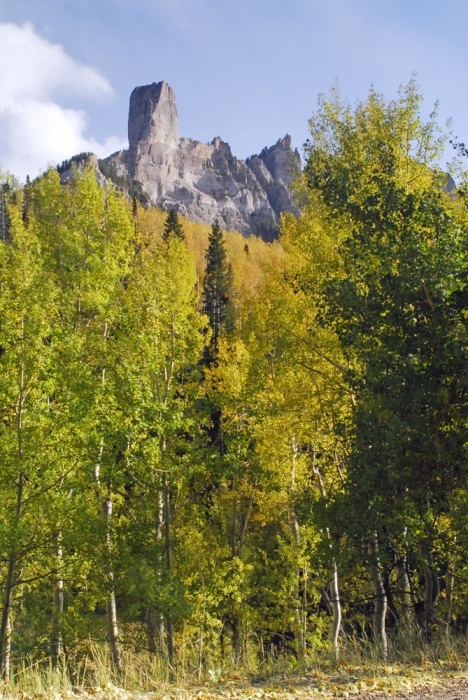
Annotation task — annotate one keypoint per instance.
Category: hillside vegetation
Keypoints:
(218, 452)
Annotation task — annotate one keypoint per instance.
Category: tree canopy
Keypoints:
(210, 446)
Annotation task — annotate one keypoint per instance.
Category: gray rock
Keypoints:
(79, 165)
(203, 181)
(153, 116)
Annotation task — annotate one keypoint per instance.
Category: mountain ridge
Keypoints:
(203, 181)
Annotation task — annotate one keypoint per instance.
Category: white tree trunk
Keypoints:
(112, 624)
(404, 589)
(450, 580)
(334, 583)
(57, 612)
(167, 532)
(154, 618)
(298, 621)
(380, 598)
(336, 607)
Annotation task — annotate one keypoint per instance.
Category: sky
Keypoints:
(249, 71)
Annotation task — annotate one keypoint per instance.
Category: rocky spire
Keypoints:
(203, 181)
(153, 116)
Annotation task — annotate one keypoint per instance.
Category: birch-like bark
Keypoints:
(154, 618)
(298, 621)
(167, 532)
(57, 612)
(336, 608)
(299, 630)
(234, 617)
(5, 631)
(8, 651)
(111, 607)
(5, 626)
(404, 588)
(450, 580)
(380, 604)
(161, 393)
(234, 527)
(334, 583)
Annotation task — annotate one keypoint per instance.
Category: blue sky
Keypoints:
(246, 70)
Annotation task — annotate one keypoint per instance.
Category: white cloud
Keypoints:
(34, 128)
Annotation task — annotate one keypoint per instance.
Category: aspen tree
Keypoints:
(26, 297)
(372, 175)
(86, 233)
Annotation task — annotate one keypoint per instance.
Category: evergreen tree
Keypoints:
(173, 227)
(4, 218)
(27, 190)
(217, 289)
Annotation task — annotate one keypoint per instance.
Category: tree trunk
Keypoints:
(234, 528)
(8, 651)
(380, 605)
(111, 608)
(432, 591)
(57, 612)
(391, 607)
(154, 630)
(404, 589)
(167, 531)
(336, 608)
(154, 618)
(5, 629)
(299, 626)
(334, 583)
(5, 626)
(449, 590)
(298, 621)
(237, 541)
(234, 618)
(236, 637)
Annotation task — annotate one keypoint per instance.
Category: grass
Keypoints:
(409, 664)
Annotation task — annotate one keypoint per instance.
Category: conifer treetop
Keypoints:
(173, 228)
(218, 287)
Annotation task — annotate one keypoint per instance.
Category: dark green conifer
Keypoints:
(27, 193)
(218, 287)
(4, 218)
(173, 227)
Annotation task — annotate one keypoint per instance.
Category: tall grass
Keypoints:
(408, 656)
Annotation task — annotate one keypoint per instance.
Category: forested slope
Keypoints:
(213, 447)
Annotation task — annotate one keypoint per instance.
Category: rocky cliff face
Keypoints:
(203, 182)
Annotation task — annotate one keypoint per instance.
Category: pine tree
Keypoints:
(173, 227)
(4, 218)
(27, 190)
(217, 288)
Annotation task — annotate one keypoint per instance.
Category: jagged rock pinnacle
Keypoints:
(153, 116)
(203, 181)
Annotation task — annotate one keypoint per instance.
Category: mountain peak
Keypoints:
(153, 116)
(203, 181)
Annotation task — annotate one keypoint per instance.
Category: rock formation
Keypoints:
(203, 182)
